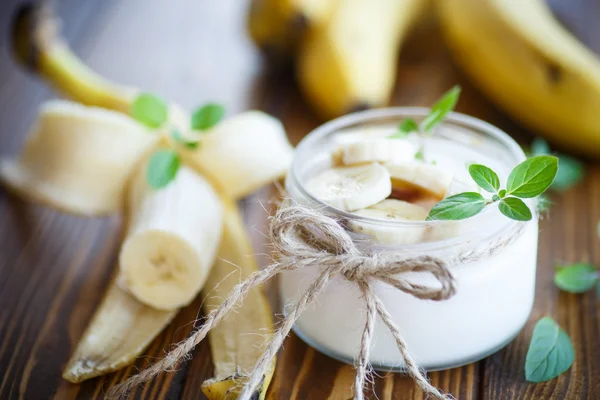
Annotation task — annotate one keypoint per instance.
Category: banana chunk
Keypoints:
(244, 152)
(352, 188)
(380, 150)
(77, 158)
(392, 210)
(172, 239)
(428, 178)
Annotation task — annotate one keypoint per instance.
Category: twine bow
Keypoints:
(305, 237)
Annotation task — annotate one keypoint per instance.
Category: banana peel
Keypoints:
(236, 343)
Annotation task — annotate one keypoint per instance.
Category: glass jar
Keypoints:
(495, 292)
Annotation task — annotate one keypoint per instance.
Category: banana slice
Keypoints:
(392, 210)
(424, 177)
(379, 150)
(172, 239)
(78, 158)
(352, 188)
(244, 152)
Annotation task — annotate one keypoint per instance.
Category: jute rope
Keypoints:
(304, 237)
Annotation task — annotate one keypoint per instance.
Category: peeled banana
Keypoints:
(77, 158)
(236, 342)
(172, 239)
(349, 63)
(526, 62)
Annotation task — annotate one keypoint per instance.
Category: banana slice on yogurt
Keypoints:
(352, 188)
(427, 178)
(392, 210)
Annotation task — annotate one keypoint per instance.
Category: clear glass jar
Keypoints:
(495, 293)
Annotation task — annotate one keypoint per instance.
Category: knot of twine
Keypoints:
(304, 237)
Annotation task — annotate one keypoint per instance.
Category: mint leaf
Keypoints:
(576, 278)
(532, 177)
(407, 126)
(207, 116)
(550, 352)
(420, 156)
(459, 206)
(486, 178)
(515, 209)
(502, 193)
(178, 137)
(440, 109)
(162, 168)
(150, 110)
(570, 173)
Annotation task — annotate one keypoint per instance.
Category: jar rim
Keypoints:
(373, 115)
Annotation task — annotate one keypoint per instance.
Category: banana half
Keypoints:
(77, 158)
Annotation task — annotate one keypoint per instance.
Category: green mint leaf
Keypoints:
(407, 126)
(570, 173)
(440, 109)
(162, 168)
(178, 137)
(532, 177)
(502, 193)
(207, 116)
(515, 209)
(459, 206)
(419, 155)
(486, 178)
(576, 278)
(539, 147)
(150, 110)
(550, 352)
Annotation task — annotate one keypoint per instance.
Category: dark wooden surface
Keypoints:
(54, 267)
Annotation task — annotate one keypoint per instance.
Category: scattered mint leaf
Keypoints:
(532, 177)
(550, 352)
(459, 206)
(407, 126)
(150, 110)
(440, 109)
(576, 278)
(486, 178)
(539, 147)
(178, 137)
(419, 155)
(207, 116)
(570, 173)
(162, 168)
(515, 208)
(502, 193)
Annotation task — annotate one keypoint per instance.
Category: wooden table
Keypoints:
(54, 267)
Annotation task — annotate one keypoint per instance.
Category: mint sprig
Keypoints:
(550, 352)
(436, 116)
(207, 116)
(162, 168)
(529, 179)
(149, 110)
(576, 278)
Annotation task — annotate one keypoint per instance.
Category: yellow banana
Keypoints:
(350, 62)
(526, 62)
(236, 342)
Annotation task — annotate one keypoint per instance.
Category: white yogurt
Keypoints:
(494, 293)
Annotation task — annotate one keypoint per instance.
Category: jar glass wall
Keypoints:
(495, 292)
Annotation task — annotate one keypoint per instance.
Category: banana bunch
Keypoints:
(524, 60)
(345, 50)
(90, 157)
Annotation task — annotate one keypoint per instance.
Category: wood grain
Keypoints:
(54, 267)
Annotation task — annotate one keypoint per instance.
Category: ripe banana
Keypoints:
(526, 62)
(349, 63)
(426, 178)
(77, 158)
(352, 188)
(277, 26)
(236, 343)
(244, 152)
(120, 330)
(392, 210)
(172, 239)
